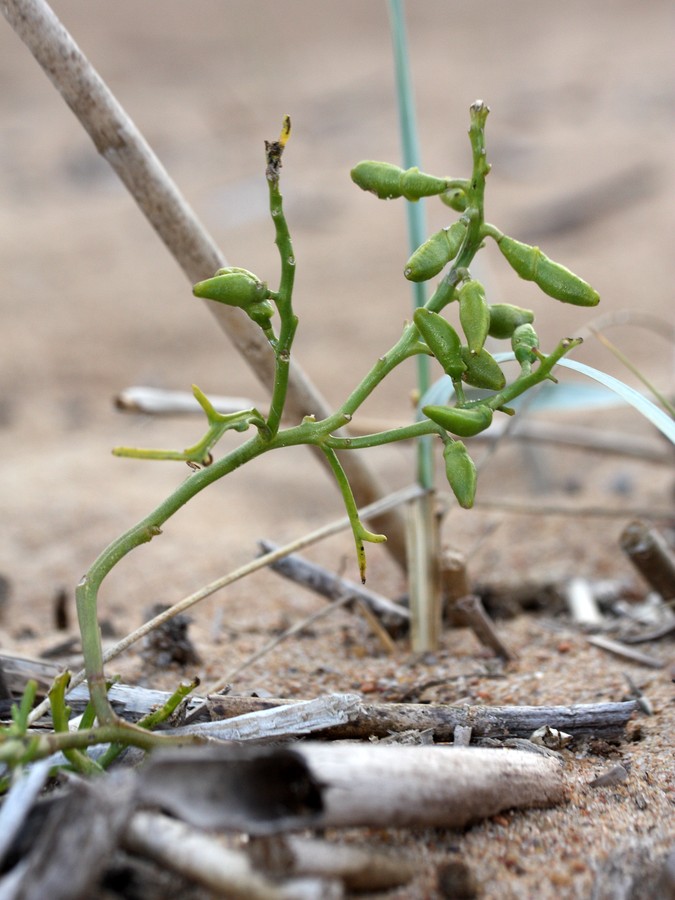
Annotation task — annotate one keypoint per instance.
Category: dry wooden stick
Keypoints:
(629, 653)
(649, 552)
(281, 722)
(151, 401)
(358, 867)
(471, 608)
(198, 856)
(122, 145)
(606, 720)
(396, 786)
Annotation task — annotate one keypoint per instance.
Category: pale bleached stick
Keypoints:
(360, 868)
(197, 856)
(281, 722)
(375, 509)
(629, 653)
(119, 141)
(396, 786)
(151, 401)
(602, 720)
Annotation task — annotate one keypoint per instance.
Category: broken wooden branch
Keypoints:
(325, 583)
(121, 144)
(603, 720)
(625, 652)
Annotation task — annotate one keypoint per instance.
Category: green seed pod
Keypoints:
(442, 340)
(416, 184)
(505, 318)
(261, 313)
(461, 473)
(234, 287)
(387, 181)
(380, 178)
(436, 252)
(474, 314)
(524, 342)
(555, 280)
(455, 198)
(465, 422)
(482, 370)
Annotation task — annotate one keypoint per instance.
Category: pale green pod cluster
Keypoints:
(462, 421)
(553, 278)
(460, 471)
(474, 314)
(388, 181)
(435, 253)
(443, 341)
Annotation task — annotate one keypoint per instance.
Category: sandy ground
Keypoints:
(581, 140)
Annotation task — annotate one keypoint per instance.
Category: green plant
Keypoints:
(466, 361)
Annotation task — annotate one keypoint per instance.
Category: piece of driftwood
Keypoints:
(398, 786)
(625, 652)
(472, 610)
(603, 720)
(358, 867)
(649, 552)
(327, 584)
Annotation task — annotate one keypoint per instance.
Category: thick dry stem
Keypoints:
(395, 786)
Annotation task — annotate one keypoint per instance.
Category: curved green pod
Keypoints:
(554, 279)
(505, 318)
(524, 342)
(462, 421)
(474, 314)
(460, 471)
(435, 253)
(482, 370)
(443, 341)
(388, 181)
(234, 287)
(261, 312)
(455, 198)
